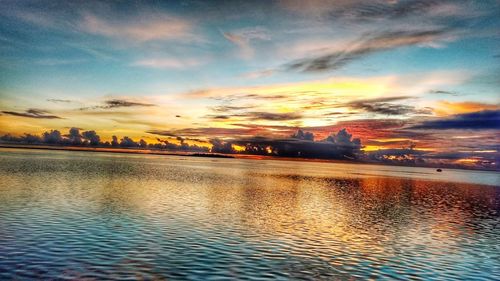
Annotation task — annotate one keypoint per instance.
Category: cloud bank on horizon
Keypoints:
(395, 74)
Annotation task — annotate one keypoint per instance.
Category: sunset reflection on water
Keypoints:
(96, 215)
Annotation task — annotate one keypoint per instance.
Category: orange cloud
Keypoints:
(449, 108)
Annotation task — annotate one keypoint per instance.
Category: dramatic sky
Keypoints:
(392, 72)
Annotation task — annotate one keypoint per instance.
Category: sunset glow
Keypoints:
(402, 75)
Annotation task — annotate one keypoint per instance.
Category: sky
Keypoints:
(395, 74)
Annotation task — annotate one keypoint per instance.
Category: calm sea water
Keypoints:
(81, 215)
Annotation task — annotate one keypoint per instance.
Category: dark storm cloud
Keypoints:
(52, 137)
(117, 103)
(482, 120)
(220, 146)
(302, 144)
(367, 45)
(33, 113)
(386, 107)
(301, 135)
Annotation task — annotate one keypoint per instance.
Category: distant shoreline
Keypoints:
(116, 150)
(218, 155)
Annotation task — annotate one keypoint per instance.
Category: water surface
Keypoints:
(81, 215)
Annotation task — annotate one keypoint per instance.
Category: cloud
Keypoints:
(361, 11)
(449, 108)
(142, 27)
(367, 45)
(117, 103)
(301, 135)
(183, 146)
(377, 10)
(482, 120)
(59, 100)
(364, 128)
(384, 106)
(143, 23)
(73, 138)
(240, 97)
(125, 103)
(302, 144)
(168, 63)
(220, 146)
(256, 139)
(256, 116)
(33, 113)
(228, 108)
(244, 37)
(92, 136)
(258, 74)
(398, 155)
(207, 132)
(441, 92)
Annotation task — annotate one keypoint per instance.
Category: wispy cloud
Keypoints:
(168, 63)
(442, 92)
(444, 108)
(386, 106)
(206, 132)
(244, 37)
(59, 100)
(33, 113)
(259, 116)
(142, 27)
(367, 45)
(118, 103)
(376, 10)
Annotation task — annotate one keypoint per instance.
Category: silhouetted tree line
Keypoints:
(92, 139)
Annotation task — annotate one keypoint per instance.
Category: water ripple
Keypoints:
(94, 216)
